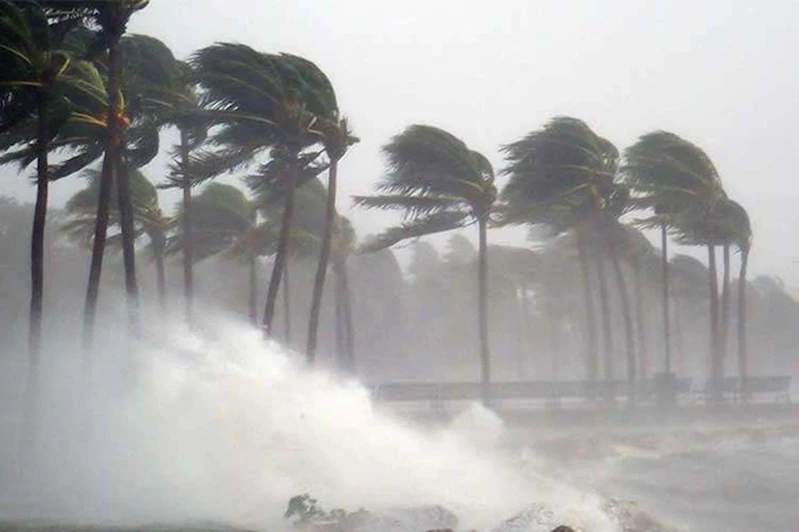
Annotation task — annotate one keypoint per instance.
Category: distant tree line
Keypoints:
(80, 96)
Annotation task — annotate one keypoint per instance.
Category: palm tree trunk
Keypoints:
(714, 322)
(37, 274)
(188, 230)
(160, 271)
(128, 245)
(283, 243)
(724, 328)
(591, 347)
(103, 203)
(287, 306)
(253, 295)
(742, 348)
(641, 322)
(324, 259)
(629, 334)
(482, 281)
(666, 315)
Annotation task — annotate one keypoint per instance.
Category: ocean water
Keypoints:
(217, 426)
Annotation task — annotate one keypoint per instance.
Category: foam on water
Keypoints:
(218, 426)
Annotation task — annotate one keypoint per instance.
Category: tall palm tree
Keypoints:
(737, 231)
(680, 182)
(177, 103)
(33, 65)
(261, 101)
(438, 183)
(337, 139)
(111, 18)
(560, 177)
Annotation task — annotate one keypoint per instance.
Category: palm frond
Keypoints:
(435, 223)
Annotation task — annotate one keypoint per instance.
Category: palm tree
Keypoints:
(81, 209)
(261, 101)
(179, 105)
(111, 17)
(41, 89)
(438, 184)
(337, 139)
(680, 181)
(561, 177)
(737, 231)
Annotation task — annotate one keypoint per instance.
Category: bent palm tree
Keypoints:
(560, 177)
(680, 181)
(438, 184)
(337, 139)
(737, 229)
(261, 101)
(111, 17)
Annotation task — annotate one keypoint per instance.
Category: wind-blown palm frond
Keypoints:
(435, 181)
(435, 223)
(558, 174)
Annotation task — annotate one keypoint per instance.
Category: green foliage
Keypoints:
(559, 175)
(435, 181)
(259, 101)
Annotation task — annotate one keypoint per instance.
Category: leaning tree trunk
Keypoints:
(188, 230)
(742, 351)
(715, 376)
(128, 230)
(724, 320)
(283, 242)
(253, 295)
(640, 319)
(286, 306)
(666, 315)
(37, 275)
(482, 282)
(629, 334)
(103, 203)
(324, 259)
(591, 346)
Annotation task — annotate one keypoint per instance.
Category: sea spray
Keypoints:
(219, 426)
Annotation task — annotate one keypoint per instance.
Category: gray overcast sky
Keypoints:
(720, 73)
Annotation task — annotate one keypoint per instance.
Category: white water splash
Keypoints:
(220, 427)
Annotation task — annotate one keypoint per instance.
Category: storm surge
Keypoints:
(219, 426)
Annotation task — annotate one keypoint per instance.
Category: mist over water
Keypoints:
(217, 426)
